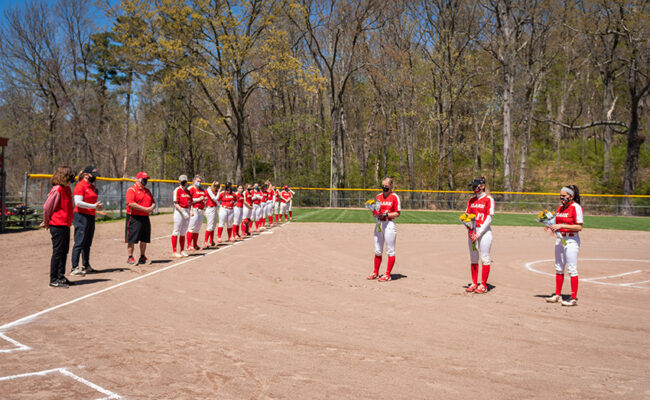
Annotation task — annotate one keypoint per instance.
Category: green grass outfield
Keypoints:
(451, 217)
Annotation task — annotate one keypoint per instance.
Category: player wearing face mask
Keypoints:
(238, 212)
(386, 233)
(257, 208)
(226, 201)
(247, 210)
(481, 205)
(139, 204)
(286, 197)
(182, 201)
(199, 197)
(86, 203)
(211, 213)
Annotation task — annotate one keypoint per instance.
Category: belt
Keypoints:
(227, 208)
(567, 234)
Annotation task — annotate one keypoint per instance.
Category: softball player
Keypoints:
(257, 200)
(285, 202)
(247, 210)
(270, 194)
(226, 201)
(481, 205)
(390, 208)
(211, 214)
(238, 212)
(568, 221)
(196, 214)
(264, 195)
(182, 199)
(276, 205)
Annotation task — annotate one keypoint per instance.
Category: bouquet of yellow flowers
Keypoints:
(373, 206)
(469, 220)
(547, 218)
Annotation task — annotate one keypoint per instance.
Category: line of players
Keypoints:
(237, 208)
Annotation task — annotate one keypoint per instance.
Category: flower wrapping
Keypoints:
(469, 220)
(372, 205)
(547, 218)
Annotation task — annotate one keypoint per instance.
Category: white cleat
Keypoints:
(553, 299)
(178, 255)
(184, 253)
(570, 302)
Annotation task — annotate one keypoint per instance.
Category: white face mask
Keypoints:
(197, 184)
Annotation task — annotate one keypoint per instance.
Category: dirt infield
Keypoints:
(289, 315)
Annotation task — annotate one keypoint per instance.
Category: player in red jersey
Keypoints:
(390, 208)
(285, 202)
(86, 203)
(211, 214)
(481, 205)
(182, 207)
(270, 194)
(226, 201)
(247, 210)
(257, 206)
(199, 197)
(568, 221)
(238, 211)
(276, 205)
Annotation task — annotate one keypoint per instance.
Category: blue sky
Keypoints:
(99, 19)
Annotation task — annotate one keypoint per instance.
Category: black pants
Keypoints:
(84, 231)
(60, 247)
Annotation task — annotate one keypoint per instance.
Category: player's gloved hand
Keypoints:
(473, 235)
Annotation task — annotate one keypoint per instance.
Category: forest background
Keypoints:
(532, 94)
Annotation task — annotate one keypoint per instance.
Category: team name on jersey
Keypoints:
(477, 205)
(385, 203)
(562, 215)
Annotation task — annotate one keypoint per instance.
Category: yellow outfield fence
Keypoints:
(112, 194)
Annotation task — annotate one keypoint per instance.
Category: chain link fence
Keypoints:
(112, 193)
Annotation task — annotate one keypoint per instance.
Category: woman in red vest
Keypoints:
(57, 217)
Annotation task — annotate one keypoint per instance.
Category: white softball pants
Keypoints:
(237, 216)
(483, 246)
(567, 256)
(285, 208)
(180, 223)
(247, 212)
(268, 209)
(387, 236)
(196, 221)
(276, 208)
(225, 217)
(211, 218)
(257, 212)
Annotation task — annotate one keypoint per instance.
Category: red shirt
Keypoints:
(239, 197)
(248, 197)
(198, 197)
(259, 196)
(388, 204)
(226, 199)
(481, 206)
(140, 196)
(209, 202)
(182, 196)
(285, 196)
(570, 215)
(276, 195)
(269, 195)
(62, 214)
(88, 191)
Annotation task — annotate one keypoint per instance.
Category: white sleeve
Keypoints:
(212, 195)
(78, 201)
(579, 215)
(492, 203)
(399, 203)
(485, 225)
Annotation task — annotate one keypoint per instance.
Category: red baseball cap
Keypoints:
(142, 175)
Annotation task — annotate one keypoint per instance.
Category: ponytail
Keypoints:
(487, 188)
(576, 194)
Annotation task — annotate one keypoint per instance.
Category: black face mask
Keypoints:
(183, 183)
(92, 179)
(250, 189)
(385, 189)
(71, 178)
(144, 181)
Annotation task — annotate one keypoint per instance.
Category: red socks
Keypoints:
(195, 237)
(290, 214)
(485, 274)
(181, 238)
(574, 287)
(219, 232)
(559, 281)
(391, 263)
(229, 233)
(174, 240)
(270, 219)
(189, 239)
(377, 264)
(474, 268)
(207, 237)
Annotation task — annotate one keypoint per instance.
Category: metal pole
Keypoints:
(3, 192)
(25, 201)
(121, 198)
(331, 167)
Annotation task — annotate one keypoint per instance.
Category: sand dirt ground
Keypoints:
(289, 315)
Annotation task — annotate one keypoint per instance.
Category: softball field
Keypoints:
(288, 314)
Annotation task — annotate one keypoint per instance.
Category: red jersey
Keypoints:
(198, 197)
(285, 196)
(209, 202)
(276, 195)
(481, 206)
(227, 200)
(257, 196)
(248, 197)
(390, 204)
(62, 215)
(269, 195)
(182, 196)
(88, 192)
(140, 196)
(239, 198)
(570, 214)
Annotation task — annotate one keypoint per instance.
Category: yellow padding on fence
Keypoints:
(642, 196)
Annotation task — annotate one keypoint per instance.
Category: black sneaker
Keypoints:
(144, 260)
(89, 269)
(66, 281)
(59, 284)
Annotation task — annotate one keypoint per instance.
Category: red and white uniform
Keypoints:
(248, 199)
(276, 202)
(285, 201)
(268, 201)
(238, 210)
(199, 197)
(182, 197)
(388, 233)
(567, 256)
(85, 198)
(210, 210)
(483, 207)
(227, 203)
(257, 204)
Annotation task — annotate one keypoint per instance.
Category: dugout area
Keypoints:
(289, 315)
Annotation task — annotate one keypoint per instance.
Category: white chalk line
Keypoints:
(65, 372)
(37, 314)
(598, 280)
(19, 346)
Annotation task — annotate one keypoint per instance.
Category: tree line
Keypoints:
(529, 93)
